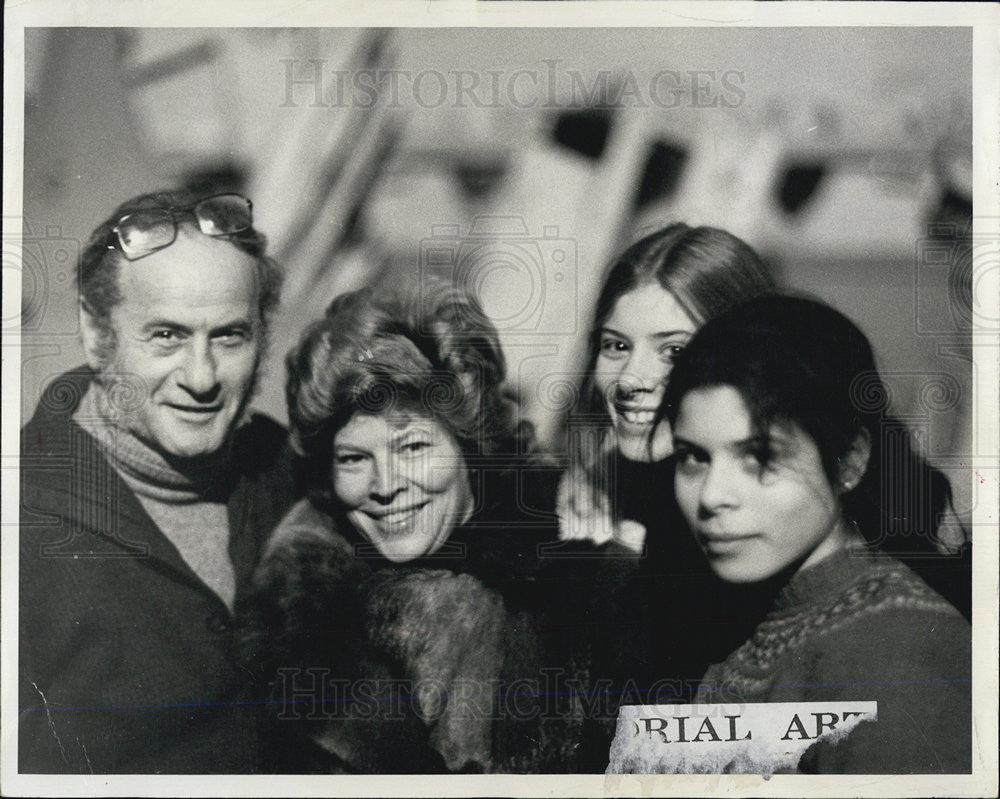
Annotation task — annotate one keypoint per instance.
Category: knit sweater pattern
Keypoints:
(862, 626)
(817, 602)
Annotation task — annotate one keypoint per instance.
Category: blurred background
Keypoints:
(519, 161)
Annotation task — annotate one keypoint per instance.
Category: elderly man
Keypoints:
(147, 491)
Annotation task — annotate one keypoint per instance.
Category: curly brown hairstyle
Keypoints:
(377, 350)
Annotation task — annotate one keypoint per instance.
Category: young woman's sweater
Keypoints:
(862, 626)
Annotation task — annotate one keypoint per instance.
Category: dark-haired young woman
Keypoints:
(792, 476)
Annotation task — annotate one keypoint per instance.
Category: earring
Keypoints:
(848, 485)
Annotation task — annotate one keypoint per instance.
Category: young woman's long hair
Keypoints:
(797, 360)
(708, 271)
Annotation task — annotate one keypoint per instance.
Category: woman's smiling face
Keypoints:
(403, 482)
(638, 343)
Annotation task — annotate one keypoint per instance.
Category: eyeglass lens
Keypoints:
(223, 215)
(144, 232)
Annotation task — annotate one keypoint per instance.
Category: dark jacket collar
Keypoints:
(63, 470)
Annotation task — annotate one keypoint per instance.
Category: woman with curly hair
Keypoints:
(396, 609)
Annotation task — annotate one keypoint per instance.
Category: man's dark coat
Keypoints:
(125, 656)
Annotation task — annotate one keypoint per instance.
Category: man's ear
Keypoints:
(854, 462)
(94, 336)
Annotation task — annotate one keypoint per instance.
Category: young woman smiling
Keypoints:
(657, 294)
(616, 492)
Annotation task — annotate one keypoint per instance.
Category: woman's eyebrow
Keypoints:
(613, 332)
(679, 441)
(409, 431)
(783, 442)
(399, 422)
(760, 443)
(349, 448)
(740, 445)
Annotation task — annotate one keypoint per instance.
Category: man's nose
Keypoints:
(200, 372)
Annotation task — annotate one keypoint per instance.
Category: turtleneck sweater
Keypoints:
(186, 498)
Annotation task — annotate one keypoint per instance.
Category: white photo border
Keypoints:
(985, 21)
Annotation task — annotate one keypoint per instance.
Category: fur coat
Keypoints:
(458, 662)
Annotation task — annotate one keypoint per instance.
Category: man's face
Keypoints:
(187, 332)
